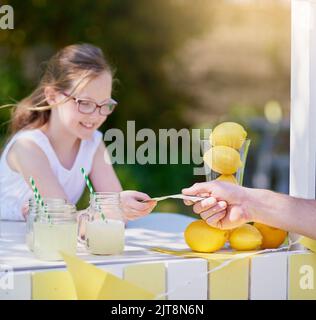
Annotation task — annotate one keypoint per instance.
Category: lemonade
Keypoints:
(103, 224)
(30, 240)
(105, 236)
(34, 215)
(51, 238)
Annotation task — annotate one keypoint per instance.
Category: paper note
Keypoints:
(219, 255)
(177, 196)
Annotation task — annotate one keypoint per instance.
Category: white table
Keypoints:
(269, 276)
(156, 230)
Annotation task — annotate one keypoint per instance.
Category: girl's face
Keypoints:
(82, 125)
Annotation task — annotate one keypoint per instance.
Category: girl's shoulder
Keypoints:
(95, 140)
(97, 136)
(22, 138)
(23, 145)
(25, 139)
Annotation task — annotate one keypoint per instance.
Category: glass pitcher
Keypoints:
(55, 230)
(34, 209)
(102, 228)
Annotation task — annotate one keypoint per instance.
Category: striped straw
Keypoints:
(90, 187)
(88, 182)
(36, 193)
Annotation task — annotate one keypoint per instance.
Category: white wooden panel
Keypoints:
(21, 289)
(179, 272)
(303, 100)
(268, 277)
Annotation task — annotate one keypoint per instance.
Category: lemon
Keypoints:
(227, 178)
(272, 237)
(245, 238)
(201, 237)
(222, 159)
(230, 134)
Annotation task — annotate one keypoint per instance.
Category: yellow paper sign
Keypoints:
(308, 243)
(222, 255)
(92, 283)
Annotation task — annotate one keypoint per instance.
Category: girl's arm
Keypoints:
(104, 179)
(102, 175)
(26, 158)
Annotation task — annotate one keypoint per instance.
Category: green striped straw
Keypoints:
(38, 198)
(88, 182)
(90, 186)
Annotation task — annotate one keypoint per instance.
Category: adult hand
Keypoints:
(226, 208)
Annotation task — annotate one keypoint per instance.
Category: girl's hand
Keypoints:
(25, 210)
(133, 206)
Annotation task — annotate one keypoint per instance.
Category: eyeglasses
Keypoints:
(86, 106)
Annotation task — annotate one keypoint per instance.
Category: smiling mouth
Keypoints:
(87, 125)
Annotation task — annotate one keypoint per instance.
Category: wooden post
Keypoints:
(303, 100)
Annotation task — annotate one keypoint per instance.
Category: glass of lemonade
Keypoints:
(34, 209)
(32, 215)
(55, 230)
(102, 228)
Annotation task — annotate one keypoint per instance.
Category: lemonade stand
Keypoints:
(152, 259)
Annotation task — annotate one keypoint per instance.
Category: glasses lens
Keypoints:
(86, 106)
(107, 109)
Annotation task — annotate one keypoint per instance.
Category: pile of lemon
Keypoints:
(201, 237)
(224, 158)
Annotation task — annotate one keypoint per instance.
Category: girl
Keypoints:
(55, 134)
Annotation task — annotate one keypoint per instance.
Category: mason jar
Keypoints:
(102, 228)
(33, 213)
(55, 230)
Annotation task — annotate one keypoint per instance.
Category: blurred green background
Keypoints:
(179, 64)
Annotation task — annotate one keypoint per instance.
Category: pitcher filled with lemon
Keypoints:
(226, 158)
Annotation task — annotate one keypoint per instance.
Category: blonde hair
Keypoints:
(70, 68)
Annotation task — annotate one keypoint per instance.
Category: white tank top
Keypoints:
(14, 191)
